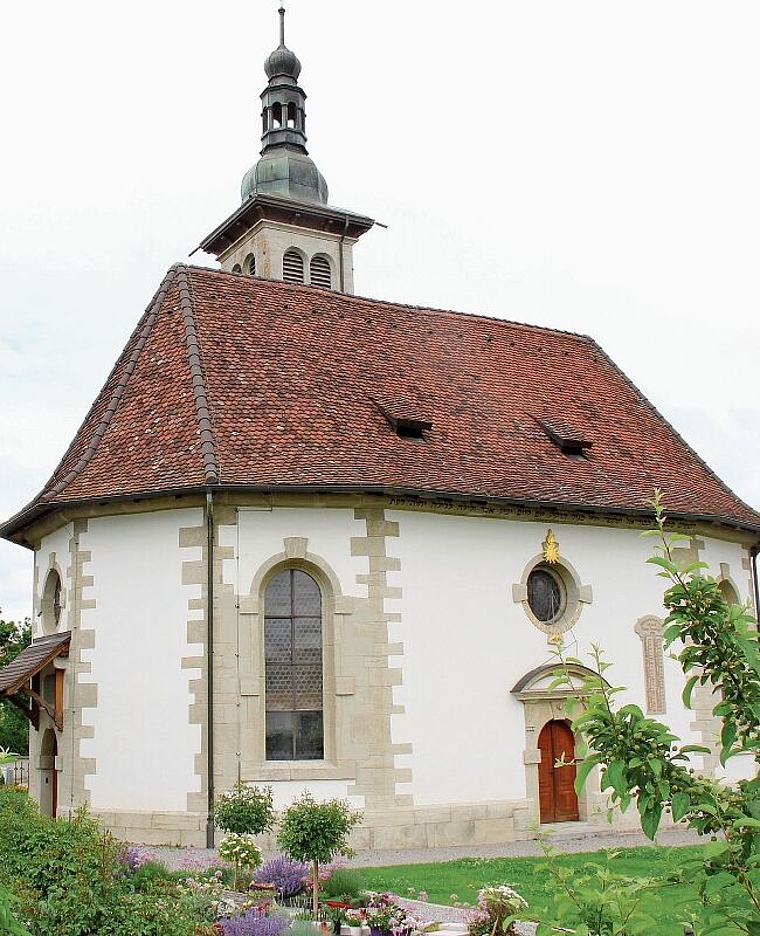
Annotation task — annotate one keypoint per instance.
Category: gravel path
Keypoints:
(588, 841)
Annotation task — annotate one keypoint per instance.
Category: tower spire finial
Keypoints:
(281, 11)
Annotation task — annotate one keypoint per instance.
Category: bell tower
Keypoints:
(284, 229)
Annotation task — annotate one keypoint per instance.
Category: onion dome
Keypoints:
(282, 63)
(288, 173)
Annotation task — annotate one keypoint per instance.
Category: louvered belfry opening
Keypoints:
(293, 660)
(251, 270)
(292, 267)
(320, 272)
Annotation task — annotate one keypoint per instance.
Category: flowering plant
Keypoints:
(241, 851)
(384, 914)
(286, 875)
(498, 906)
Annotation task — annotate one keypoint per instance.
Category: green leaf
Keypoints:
(679, 805)
(666, 564)
(687, 690)
(615, 776)
(650, 821)
(584, 770)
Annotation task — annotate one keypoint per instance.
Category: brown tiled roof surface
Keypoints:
(236, 380)
(31, 660)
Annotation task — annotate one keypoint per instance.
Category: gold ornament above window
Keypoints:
(551, 548)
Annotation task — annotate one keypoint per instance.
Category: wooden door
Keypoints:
(556, 785)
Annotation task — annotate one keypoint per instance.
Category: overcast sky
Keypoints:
(589, 166)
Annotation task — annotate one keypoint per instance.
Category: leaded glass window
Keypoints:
(545, 595)
(293, 660)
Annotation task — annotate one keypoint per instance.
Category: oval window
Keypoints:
(546, 596)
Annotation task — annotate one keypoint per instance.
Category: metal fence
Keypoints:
(16, 773)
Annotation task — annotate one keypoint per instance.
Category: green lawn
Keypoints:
(463, 877)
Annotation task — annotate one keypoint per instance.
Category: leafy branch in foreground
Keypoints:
(640, 760)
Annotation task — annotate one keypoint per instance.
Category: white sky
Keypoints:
(591, 166)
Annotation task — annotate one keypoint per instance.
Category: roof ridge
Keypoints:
(430, 310)
(202, 409)
(142, 330)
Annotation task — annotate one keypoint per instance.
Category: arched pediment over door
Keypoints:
(549, 737)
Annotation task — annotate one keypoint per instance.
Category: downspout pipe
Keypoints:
(210, 666)
(753, 554)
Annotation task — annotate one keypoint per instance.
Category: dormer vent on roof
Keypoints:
(567, 439)
(404, 417)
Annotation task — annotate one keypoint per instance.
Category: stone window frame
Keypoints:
(575, 592)
(295, 556)
(50, 613)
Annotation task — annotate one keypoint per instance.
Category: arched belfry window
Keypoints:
(292, 266)
(320, 273)
(293, 660)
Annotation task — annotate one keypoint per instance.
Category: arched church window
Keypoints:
(250, 265)
(292, 266)
(319, 272)
(293, 664)
(728, 592)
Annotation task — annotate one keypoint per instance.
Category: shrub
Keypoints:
(8, 922)
(343, 882)
(240, 851)
(286, 874)
(245, 810)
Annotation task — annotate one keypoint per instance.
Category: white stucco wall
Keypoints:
(259, 537)
(467, 642)
(143, 745)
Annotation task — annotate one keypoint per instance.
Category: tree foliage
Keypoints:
(245, 810)
(316, 832)
(14, 727)
(640, 760)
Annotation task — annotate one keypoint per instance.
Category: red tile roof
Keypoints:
(238, 381)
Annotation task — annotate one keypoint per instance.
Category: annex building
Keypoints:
(325, 542)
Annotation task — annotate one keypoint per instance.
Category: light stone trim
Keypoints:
(194, 572)
(78, 695)
(649, 629)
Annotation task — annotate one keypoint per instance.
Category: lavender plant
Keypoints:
(287, 875)
(253, 923)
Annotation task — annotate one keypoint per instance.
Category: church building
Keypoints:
(315, 541)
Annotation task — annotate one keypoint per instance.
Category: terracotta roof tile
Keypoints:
(243, 381)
